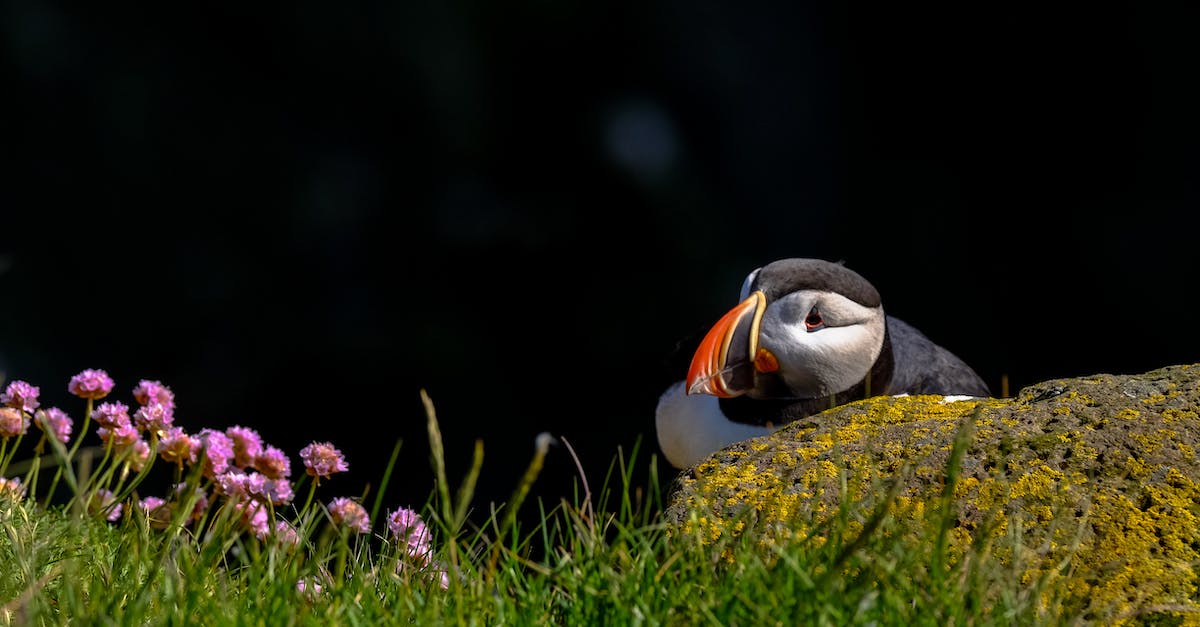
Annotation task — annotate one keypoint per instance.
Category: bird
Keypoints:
(806, 335)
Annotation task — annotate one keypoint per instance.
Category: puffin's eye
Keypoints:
(813, 320)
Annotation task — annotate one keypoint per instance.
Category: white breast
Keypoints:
(691, 428)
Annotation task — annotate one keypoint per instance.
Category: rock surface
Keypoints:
(1099, 471)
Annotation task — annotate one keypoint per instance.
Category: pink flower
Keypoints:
(154, 392)
(151, 503)
(273, 463)
(255, 516)
(157, 510)
(321, 459)
(309, 587)
(93, 384)
(201, 501)
(218, 451)
(286, 534)
(20, 395)
(138, 456)
(112, 415)
(13, 422)
(401, 521)
(253, 485)
(429, 568)
(178, 447)
(105, 501)
(233, 485)
(54, 421)
(277, 491)
(350, 514)
(154, 418)
(406, 525)
(118, 436)
(247, 445)
(12, 488)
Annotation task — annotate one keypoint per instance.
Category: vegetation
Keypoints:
(230, 545)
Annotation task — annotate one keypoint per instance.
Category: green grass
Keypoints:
(605, 557)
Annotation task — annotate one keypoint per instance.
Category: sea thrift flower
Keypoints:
(406, 525)
(429, 568)
(273, 463)
(13, 422)
(112, 415)
(401, 521)
(309, 587)
(201, 501)
(286, 534)
(255, 516)
(157, 510)
(247, 445)
(20, 395)
(218, 451)
(278, 491)
(118, 436)
(350, 514)
(321, 459)
(101, 501)
(151, 503)
(233, 484)
(54, 421)
(275, 491)
(430, 571)
(154, 418)
(139, 456)
(154, 392)
(11, 488)
(178, 447)
(93, 384)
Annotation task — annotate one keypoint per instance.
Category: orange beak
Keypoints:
(729, 356)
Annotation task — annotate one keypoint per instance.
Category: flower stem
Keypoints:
(67, 460)
(6, 457)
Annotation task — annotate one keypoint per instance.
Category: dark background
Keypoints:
(299, 217)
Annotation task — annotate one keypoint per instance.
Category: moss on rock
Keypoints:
(1098, 474)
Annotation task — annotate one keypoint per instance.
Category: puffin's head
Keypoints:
(805, 328)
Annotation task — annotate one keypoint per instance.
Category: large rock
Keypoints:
(1097, 472)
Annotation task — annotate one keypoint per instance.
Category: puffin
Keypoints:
(806, 335)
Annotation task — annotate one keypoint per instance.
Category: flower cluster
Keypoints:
(410, 531)
(104, 503)
(54, 421)
(321, 460)
(412, 536)
(11, 488)
(236, 468)
(91, 384)
(19, 400)
(349, 514)
(13, 422)
(20, 395)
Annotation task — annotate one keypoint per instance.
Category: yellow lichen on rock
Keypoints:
(1089, 484)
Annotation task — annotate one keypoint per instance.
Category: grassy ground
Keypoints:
(605, 558)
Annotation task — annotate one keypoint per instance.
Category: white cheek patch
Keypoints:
(830, 359)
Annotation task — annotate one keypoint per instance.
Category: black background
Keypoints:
(298, 217)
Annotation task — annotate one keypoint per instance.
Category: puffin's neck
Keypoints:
(781, 411)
